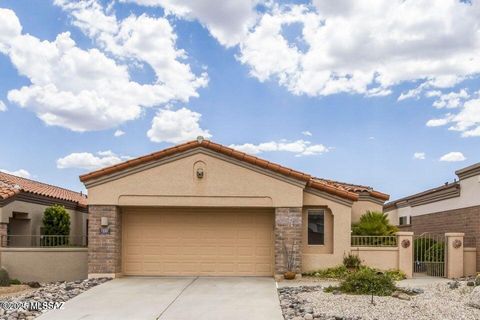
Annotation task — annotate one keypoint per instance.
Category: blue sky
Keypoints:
(339, 89)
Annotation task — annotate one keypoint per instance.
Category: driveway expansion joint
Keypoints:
(178, 296)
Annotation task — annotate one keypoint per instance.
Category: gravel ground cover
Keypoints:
(438, 301)
(48, 292)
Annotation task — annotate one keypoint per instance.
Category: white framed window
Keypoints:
(404, 220)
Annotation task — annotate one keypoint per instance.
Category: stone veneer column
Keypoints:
(104, 250)
(454, 254)
(288, 231)
(3, 234)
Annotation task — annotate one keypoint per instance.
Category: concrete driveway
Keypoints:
(172, 298)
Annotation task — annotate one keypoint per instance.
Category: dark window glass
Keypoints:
(316, 228)
(403, 220)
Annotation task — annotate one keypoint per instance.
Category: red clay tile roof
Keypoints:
(11, 185)
(357, 188)
(347, 191)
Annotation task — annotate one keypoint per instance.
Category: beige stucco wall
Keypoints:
(362, 206)
(44, 264)
(392, 216)
(35, 214)
(175, 184)
(383, 258)
(469, 261)
(316, 258)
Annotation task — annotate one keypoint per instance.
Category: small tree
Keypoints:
(373, 223)
(56, 222)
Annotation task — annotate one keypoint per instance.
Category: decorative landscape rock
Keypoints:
(474, 300)
(33, 284)
(55, 291)
(435, 301)
(400, 295)
(454, 284)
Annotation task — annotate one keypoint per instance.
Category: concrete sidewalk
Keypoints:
(169, 298)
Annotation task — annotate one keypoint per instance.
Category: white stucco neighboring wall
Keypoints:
(469, 197)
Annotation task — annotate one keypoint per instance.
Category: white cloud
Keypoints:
(176, 126)
(227, 20)
(89, 161)
(307, 133)
(440, 121)
(19, 173)
(453, 157)
(86, 89)
(451, 100)
(466, 121)
(365, 47)
(3, 107)
(419, 155)
(118, 133)
(298, 147)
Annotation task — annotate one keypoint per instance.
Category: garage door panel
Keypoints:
(224, 242)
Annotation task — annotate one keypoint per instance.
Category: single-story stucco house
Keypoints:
(452, 207)
(22, 203)
(201, 208)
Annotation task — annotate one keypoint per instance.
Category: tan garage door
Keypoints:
(213, 242)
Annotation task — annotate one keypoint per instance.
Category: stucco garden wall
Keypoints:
(45, 264)
(382, 258)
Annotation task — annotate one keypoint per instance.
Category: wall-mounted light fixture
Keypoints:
(200, 173)
(104, 222)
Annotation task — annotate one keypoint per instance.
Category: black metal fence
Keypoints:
(34, 241)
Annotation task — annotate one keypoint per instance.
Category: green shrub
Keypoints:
(373, 223)
(339, 272)
(352, 261)
(56, 222)
(330, 289)
(396, 275)
(15, 281)
(4, 278)
(436, 252)
(368, 281)
(420, 247)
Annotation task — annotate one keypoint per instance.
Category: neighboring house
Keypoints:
(22, 203)
(453, 207)
(201, 208)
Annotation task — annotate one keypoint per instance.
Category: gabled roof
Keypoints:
(347, 191)
(11, 185)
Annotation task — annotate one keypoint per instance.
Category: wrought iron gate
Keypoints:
(429, 252)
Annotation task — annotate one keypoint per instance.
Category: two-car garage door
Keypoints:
(213, 242)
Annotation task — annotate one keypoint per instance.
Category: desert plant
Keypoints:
(15, 281)
(373, 223)
(56, 222)
(4, 278)
(351, 261)
(368, 281)
(290, 257)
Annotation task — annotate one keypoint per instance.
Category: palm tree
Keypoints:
(373, 223)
